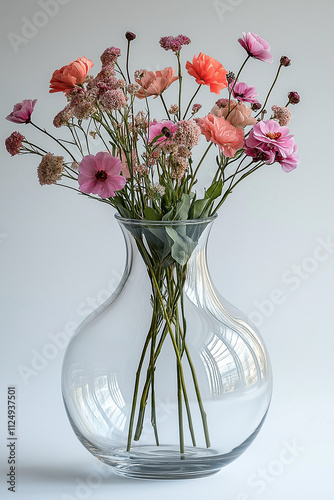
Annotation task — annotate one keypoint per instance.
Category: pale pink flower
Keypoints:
(155, 82)
(221, 132)
(100, 174)
(239, 115)
(244, 92)
(22, 111)
(256, 47)
(14, 143)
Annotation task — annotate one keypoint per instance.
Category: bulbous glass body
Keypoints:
(166, 379)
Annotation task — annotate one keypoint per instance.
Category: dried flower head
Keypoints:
(50, 169)
(140, 73)
(13, 143)
(283, 115)
(63, 116)
(174, 43)
(196, 108)
(174, 109)
(113, 100)
(110, 56)
(133, 88)
(188, 133)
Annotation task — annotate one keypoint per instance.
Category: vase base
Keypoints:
(166, 462)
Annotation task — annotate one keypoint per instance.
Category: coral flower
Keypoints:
(207, 71)
(22, 111)
(239, 115)
(155, 82)
(99, 174)
(244, 92)
(221, 132)
(256, 47)
(67, 77)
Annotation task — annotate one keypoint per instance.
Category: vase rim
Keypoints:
(145, 222)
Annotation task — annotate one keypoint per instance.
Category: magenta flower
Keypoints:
(22, 111)
(270, 135)
(155, 130)
(244, 92)
(99, 174)
(256, 47)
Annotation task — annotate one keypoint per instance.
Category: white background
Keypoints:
(60, 253)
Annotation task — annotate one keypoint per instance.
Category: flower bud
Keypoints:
(293, 97)
(285, 61)
(230, 77)
(130, 36)
(256, 106)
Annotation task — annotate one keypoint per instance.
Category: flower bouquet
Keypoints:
(146, 170)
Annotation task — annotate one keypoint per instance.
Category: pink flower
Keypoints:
(67, 77)
(221, 132)
(256, 47)
(22, 111)
(14, 143)
(155, 82)
(244, 92)
(290, 162)
(99, 174)
(269, 134)
(239, 115)
(156, 129)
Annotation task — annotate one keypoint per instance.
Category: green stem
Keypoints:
(270, 90)
(191, 100)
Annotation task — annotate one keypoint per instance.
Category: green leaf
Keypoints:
(182, 207)
(151, 214)
(215, 190)
(182, 247)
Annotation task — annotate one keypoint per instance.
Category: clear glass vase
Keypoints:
(166, 380)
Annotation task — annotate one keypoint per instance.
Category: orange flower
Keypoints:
(207, 71)
(219, 131)
(155, 82)
(67, 77)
